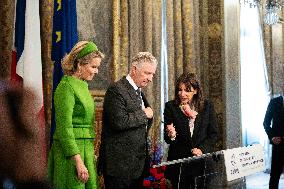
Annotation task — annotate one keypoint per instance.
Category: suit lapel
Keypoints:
(131, 91)
(133, 94)
(134, 97)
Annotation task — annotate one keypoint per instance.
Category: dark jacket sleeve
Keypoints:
(168, 119)
(205, 134)
(173, 115)
(210, 137)
(122, 114)
(268, 119)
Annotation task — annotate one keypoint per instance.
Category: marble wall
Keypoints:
(211, 63)
(95, 23)
(232, 132)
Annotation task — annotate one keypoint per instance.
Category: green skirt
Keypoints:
(62, 170)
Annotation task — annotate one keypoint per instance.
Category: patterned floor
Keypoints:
(260, 181)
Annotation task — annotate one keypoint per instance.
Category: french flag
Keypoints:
(26, 66)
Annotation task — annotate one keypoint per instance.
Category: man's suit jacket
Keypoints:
(204, 136)
(274, 112)
(123, 149)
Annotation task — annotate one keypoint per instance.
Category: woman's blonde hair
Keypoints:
(70, 61)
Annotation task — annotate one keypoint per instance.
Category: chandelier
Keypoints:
(271, 9)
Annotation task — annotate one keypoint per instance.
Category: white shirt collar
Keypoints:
(130, 80)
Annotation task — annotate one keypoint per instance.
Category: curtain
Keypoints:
(46, 12)
(137, 27)
(179, 40)
(7, 9)
(195, 44)
(255, 91)
(274, 53)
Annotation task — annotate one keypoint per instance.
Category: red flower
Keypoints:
(163, 183)
(157, 179)
(163, 168)
(157, 173)
(146, 183)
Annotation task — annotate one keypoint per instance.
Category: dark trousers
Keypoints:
(122, 183)
(276, 166)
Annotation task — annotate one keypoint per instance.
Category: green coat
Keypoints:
(74, 134)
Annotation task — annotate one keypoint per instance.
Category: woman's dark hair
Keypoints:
(190, 80)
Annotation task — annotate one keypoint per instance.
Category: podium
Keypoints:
(221, 169)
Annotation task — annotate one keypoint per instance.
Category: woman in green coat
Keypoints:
(71, 162)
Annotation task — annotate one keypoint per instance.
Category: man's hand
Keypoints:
(276, 140)
(149, 112)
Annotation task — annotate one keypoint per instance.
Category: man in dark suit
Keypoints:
(275, 112)
(126, 120)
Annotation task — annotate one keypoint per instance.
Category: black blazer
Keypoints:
(205, 134)
(123, 149)
(274, 112)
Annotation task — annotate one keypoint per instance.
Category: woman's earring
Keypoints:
(80, 74)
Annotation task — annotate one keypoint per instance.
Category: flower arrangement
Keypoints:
(157, 179)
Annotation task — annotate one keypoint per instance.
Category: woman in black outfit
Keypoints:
(191, 130)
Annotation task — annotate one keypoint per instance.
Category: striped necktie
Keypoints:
(138, 91)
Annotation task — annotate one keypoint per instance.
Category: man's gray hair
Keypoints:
(143, 57)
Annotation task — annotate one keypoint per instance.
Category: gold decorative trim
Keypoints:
(98, 96)
(98, 93)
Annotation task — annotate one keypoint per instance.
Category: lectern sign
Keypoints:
(243, 161)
